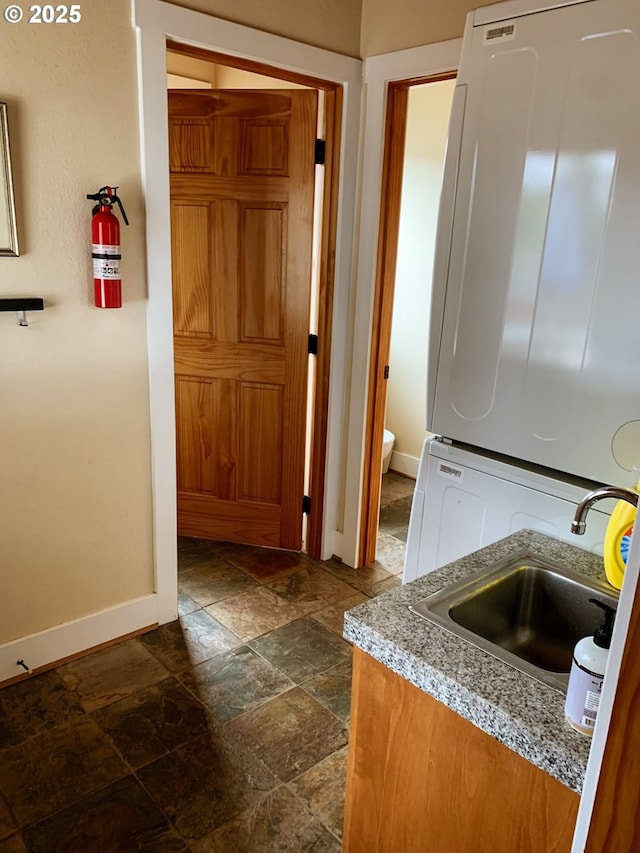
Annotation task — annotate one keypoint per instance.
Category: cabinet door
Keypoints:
(540, 351)
(421, 778)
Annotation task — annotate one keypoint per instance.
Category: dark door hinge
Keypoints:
(306, 505)
(313, 345)
(320, 152)
(385, 374)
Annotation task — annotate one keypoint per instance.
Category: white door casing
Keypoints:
(155, 21)
(379, 71)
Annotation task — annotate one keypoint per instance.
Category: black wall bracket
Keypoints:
(21, 306)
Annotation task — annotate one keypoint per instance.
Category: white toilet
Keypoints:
(388, 441)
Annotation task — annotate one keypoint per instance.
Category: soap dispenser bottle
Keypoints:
(587, 673)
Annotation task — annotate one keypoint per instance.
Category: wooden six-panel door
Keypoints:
(242, 179)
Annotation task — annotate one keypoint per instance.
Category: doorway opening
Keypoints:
(255, 89)
(416, 124)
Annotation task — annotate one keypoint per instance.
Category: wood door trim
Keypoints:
(393, 163)
(326, 259)
(388, 233)
(250, 65)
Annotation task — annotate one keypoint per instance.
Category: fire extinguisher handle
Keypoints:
(124, 215)
(107, 196)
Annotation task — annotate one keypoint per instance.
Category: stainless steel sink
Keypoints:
(523, 610)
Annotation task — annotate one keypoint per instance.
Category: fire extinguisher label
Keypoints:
(100, 249)
(107, 269)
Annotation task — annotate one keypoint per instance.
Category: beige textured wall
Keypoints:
(411, 23)
(331, 24)
(221, 76)
(234, 78)
(75, 489)
(427, 123)
(187, 66)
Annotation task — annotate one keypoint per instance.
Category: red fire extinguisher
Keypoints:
(105, 252)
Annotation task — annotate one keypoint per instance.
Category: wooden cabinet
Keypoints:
(421, 779)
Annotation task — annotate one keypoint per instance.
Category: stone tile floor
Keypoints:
(395, 507)
(225, 730)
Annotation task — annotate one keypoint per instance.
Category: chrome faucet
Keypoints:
(579, 525)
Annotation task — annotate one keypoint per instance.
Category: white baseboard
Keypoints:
(402, 463)
(332, 545)
(71, 638)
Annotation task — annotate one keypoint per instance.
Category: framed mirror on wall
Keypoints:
(8, 225)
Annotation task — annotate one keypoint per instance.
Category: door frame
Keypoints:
(379, 71)
(156, 22)
(387, 255)
(318, 391)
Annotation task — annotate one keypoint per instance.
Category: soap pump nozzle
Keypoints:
(604, 632)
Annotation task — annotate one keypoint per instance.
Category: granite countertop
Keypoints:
(520, 712)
